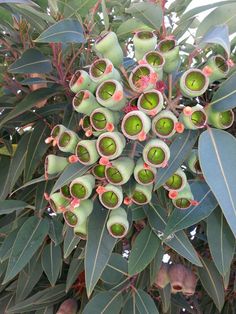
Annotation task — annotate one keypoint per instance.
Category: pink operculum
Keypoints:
(72, 159)
(152, 112)
(128, 200)
(142, 61)
(194, 203)
(118, 95)
(207, 70)
(108, 69)
(104, 161)
(89, 133)
(179, 127)
(100, 190)
(75, 202)
(46, 196)
(146, 166)
(187, 111)
(49, 139)
(110, 127)
(230, 63)
(142, 136)
(173, 195)
(164, 164)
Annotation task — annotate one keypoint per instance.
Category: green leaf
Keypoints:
(143, 251)
(70, 242)
(179, 241)
(165, 295)
(4, 173)
(16, 166)
(149, 13)
(42, 187)
(99, 246)
(181, 219)
(225, 96)
(179, 151)
(29, 277)
(156, 264)
(128, 26)
(55, 230)
(65, 31)
(217, 151)
(212, 282)
(104, 303)
(105, 15)
(75, 268)
(31, 61)
(46, 310)
(140, 303)
(221, 15)
(116, 269)
(39, 300)
(6, 247)
(28, 102)
(221, 241)
(9, 206)
(70, 173)
(36, 149)
(78, 7)
(28, 240)
(219, 35)
(52, 262)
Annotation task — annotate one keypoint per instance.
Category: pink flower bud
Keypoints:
(127, 201)
(72, 159)
(173, 195)
(187, 111)
(179, 127)
(89, 133)
(100, 190)
(104, 162)
(110, 127)
(207, 70)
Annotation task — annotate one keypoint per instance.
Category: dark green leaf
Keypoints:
(116, 269)
(51, 262)
(156, 264)
(42, 187)
(6, 247)
(104, 303)
(39, 300)
(225, 97)
(217, 151)
(179, 150)
(71, 172)
(78, 7)
(212, 282)
(221, 241)
(29, 277)
(99, 246)
(149, 13)
(55, 230)
(28, 102)
(165, 295)
(9, 206)
(36, 149)
(31, 61)
(28, 240)
(70, 242)
(76, 267)
(64, 31)
(5, 162)
(140, 303)
(181, 219)
(143, 251)
(105, 15)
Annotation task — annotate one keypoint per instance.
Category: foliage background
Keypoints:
(42, 262)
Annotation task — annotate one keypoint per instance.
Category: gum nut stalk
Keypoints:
(108, 46)
(193, 83)
(110, 144)
(143, 41)
(142, 78)
(86, 152)
(193, 162)
(219, 66)
(68, 141)
(78, 215)
(69, 306)
(134, 124)
(112, 197)
(164, 123)
(101, 117)
(184, 198)
(177, 273)
(82, 187)
(102, 70)
(221, 120)
(82, 230)
(196, 120)
(156, 153)
(176, 182)
(151, 102)
(190, 283)
(58, 202)
(156, 60)
(98, 171)
(84, 102)
(117, 223)
(55, 164)
(142, 194)
(162, 277)
(110, 94)
(170, 51)
(81, 80)
(144, 174)
(120, 170)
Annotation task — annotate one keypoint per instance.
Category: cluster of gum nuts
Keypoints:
(111, 119)
(180, 278)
